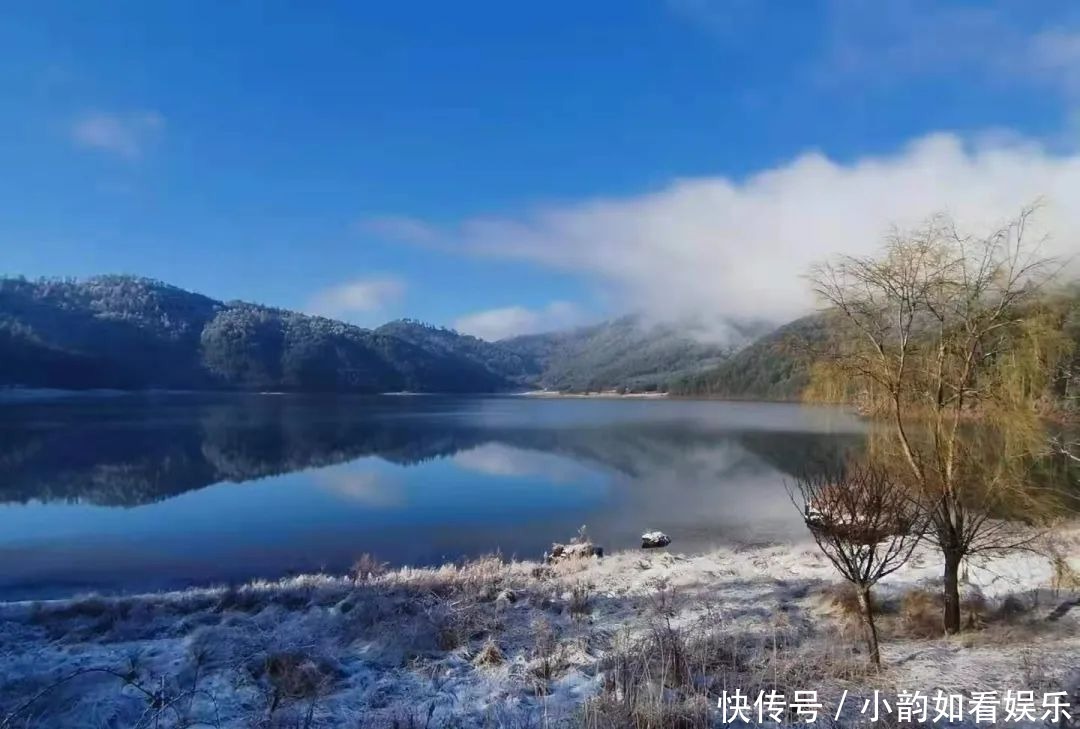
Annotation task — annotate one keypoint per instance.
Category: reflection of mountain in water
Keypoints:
(128, 452)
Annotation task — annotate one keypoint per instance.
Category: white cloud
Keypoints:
(368, 488)
(715, 246)
(125, 135)
(361, 296)
(400, 228)
(994, 41)
(495, 324)
(497, 459)
(871, 42)
(1056, 53)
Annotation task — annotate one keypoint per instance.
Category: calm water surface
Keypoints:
(139, 492)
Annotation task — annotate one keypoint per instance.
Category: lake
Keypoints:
(134, 492)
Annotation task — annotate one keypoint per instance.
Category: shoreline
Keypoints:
(603, 395)
(18, 394)
(509, 642)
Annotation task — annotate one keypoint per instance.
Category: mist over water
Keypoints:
(154, 491)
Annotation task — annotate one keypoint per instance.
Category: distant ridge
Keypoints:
(126, 332)
(622, 353)
(776, 366)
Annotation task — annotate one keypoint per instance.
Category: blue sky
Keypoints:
(508, 167)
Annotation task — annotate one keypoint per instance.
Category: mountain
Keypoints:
(132, 333)
(623, 353)
(519, 367)
(125, 332)
(776, 366)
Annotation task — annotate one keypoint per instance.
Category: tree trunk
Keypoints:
(951, 617)
(866, 606)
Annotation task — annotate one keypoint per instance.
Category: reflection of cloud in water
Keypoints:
(496, 459)
(364, 487)
(712, 493)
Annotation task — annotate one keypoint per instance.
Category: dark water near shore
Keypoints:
(138, 492)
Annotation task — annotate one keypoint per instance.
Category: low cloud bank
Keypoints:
(495, 324)
(720, 247)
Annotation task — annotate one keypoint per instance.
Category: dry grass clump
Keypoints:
(408, 719)
(489, 655)
(457, 624)
(478, 580)
(295, 676)
(90, 606)
(547, 655)
(841, 602)
(659, 680)
(580, 603)
(1011, 609)
(482, 578)
(240, 599)
(292, 683)
(118, 619)
(607, 712)
(921, 614)
(827, 657)
(974, 611)
(290, 672)
(1015, 622)
(842, 598)
(82, 618)
(669, 674)
(1066, 577)
(367, 568)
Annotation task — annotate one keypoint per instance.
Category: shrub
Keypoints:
(581, 599)
(367, 568)
(973, 610)
(546, 654)
(843, 598)
(480, 579)
(1011, 608)
(490, 654)
(606, 712)
(293, 676)
(921, 614)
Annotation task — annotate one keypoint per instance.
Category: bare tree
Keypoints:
(866, 524)
(940, 335)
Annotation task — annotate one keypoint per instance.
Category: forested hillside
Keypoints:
(774, 367)
(624, 353)
(519, 367)
(132, 333)
(777, 365)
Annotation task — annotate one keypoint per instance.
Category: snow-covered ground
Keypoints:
(492, 644)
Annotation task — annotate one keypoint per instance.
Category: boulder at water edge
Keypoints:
(654, 540)
(574, 550)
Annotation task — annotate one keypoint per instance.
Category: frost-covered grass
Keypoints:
(641, 639)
